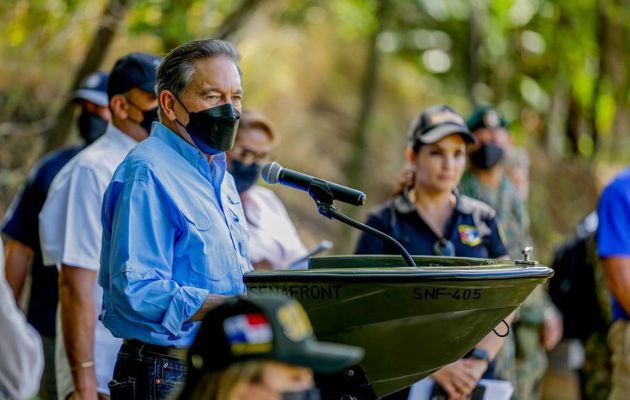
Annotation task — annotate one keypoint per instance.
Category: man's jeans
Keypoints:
(147, 372)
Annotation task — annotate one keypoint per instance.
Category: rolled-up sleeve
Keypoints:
(139, 258)
(70, 228)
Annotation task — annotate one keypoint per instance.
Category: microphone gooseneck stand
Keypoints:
(320, 193)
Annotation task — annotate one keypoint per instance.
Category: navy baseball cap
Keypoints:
(93, 88)
(264, 328)
(135, 70)
(437, 122)
(486, 117)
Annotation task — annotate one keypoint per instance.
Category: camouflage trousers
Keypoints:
(619, 341)
(596, 371)
(530, 363)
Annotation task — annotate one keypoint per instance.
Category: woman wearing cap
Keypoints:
(273, 240)
(429, 217)
(263, 348)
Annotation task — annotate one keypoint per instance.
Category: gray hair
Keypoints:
(176, 70)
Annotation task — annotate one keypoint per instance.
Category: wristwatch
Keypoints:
(479, 354)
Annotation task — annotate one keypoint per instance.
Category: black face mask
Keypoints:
(245, 176)
(148, 117)
(213, 130)
(487, 156)
(310, 394)
(91, 126)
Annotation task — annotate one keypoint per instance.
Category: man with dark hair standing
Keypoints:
(70, 230)
(21, 226)
(174, 233)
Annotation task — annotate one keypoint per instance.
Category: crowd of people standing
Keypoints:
(144, 230)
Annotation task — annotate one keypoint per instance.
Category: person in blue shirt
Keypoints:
(21, 226)
(613, 246)
(174, 232)
(429, 217)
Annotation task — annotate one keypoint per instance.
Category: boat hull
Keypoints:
(410, 321)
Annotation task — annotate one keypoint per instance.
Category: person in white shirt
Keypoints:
(70, 230)
(22, 357)
(274, 242)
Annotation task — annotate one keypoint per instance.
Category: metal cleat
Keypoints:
(527, 252)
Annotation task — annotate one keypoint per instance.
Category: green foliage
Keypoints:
(304, 60)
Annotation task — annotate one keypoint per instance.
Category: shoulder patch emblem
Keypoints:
(469, 235)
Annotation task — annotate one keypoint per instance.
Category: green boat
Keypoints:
(410, 321)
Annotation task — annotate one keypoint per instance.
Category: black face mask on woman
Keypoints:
(91, 126)
(487, 156)
(213, 130)
(245, 176)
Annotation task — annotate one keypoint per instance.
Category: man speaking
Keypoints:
(174, 232)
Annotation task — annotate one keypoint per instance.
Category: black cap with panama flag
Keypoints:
(265, 328)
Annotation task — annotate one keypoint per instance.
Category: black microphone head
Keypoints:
(271, 172)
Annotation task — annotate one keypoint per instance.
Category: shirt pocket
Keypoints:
(238, 223)
(199, 220)
(202, 252)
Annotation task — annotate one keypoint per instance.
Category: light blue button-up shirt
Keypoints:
(173, 232)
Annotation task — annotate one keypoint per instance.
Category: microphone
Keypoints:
(273, 173)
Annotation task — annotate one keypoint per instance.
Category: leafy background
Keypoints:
(342, 79)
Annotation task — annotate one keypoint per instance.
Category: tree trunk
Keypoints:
(557, 118)
(602, 39)
(472, 55)
(368, 94)
(356, 166)
(573, 124)
(616, 64)
(236, 19)
(110, 20)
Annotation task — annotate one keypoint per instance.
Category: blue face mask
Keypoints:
(245, 176)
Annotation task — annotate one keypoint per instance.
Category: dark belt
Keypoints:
(171, 351)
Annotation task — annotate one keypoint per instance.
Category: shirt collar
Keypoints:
(193, 155)
(119, 137)
(404, 205)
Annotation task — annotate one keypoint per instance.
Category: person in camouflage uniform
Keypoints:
(522, 359)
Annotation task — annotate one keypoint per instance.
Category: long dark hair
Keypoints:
(407, 176)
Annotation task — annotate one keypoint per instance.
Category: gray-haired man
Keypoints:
(174, 232)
